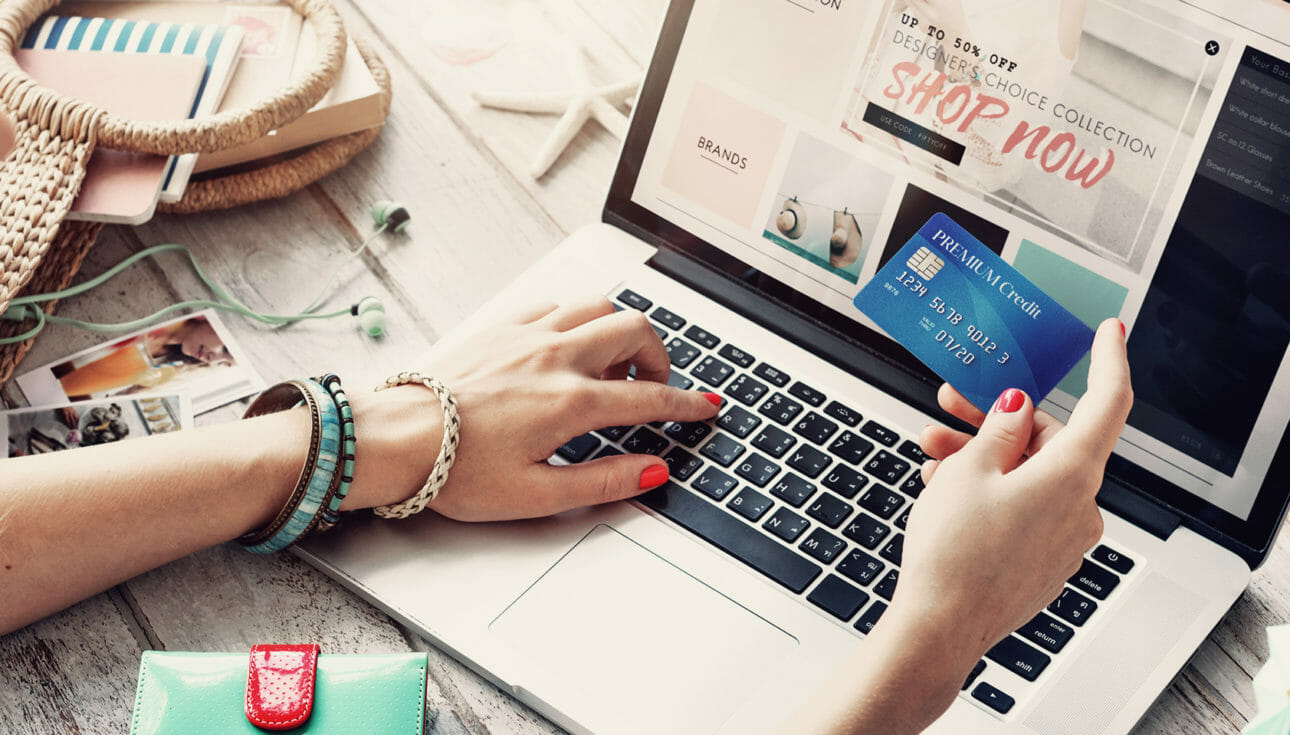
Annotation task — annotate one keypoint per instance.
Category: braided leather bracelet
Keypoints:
(447, 450)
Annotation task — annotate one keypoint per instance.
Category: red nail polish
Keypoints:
(713, 398)
(1123, 331)
(653, 477)
(1010, 402)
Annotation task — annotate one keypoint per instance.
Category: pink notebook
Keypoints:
(120, 187)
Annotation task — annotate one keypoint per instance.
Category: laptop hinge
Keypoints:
(1138, 510)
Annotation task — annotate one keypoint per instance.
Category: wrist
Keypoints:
(398, 432)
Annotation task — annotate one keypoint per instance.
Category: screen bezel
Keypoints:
(1251, 539)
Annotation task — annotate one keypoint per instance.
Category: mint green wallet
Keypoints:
(290, 689)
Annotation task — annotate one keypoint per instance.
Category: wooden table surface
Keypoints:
(478, 221)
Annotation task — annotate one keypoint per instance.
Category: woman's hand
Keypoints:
(527, 386)
(1004, 520)
(1008, 514)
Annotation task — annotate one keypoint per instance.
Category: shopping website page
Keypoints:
(1130, 157)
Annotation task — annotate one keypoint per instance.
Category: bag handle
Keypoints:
(49, 109)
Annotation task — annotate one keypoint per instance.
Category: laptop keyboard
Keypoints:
(810, 493)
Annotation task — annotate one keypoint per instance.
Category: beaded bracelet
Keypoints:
(331, 511)
(447, 450)
(318, 479)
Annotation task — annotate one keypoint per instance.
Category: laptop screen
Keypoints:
(1130, 157)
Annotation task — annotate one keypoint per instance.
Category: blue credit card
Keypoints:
(972, 318)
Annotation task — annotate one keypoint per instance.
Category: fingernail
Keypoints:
(653, 477)
(1010, 402)
(713, 398)
(1123, 331)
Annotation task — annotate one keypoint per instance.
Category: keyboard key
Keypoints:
(739, 422)
(823, 545)
(880, 433)
(887, 467)
(837, 598)
(894, 549)
(746, 390)
(1020, 658)
(608, 450)
(578, 448)
(815, 428)
(912, 452)
(866, 531)
(850, 447)
(993, 698)
(681, 464)
(722, 449)
(786, 524)
(747, 544)
(702, 336)
(807, 393)
(757, 469)
(714, 483)
(845, 414)
(972, 676)
(881, 502)
(635, 300)
(793, 490)
(870, 618)
(860, 568)
(662, 334)
(1094, 580)
(809, 461)
(689, 433)
(887, 587)
(781, 409)
(645, 441)
(737, 356)
(774, 441)
(677, 380)
(829, 509)
(751, 504)
(913, 485)
(1106, 555)
(681, 353)
(845, 481)
(1047, 632)
(1072, 607)
(614, 433)
(773, 375)
(713, 371)
(667, 318)
(902, 520)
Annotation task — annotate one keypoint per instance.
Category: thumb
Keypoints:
(1005, 433)
(603, 480)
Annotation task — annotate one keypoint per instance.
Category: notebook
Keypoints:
(1124, 156)
(120, 187)
(218, 45)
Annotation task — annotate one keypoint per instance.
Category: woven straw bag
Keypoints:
(39, 180)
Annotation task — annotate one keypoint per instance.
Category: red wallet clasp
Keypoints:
(280, 686)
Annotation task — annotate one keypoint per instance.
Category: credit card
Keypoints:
(972, 318)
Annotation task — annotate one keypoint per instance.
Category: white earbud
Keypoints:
(371, 316)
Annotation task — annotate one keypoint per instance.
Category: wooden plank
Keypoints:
(73, 672)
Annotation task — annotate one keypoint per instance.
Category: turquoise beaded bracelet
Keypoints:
(319, 478)
(331, 512)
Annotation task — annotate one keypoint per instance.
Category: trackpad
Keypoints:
(638, 644)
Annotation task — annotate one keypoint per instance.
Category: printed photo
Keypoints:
(40, 430)
(828, 207)
(1072, 114)
(918, 206)
(192, 356)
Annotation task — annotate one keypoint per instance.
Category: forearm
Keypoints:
(898, 680)
(75, 523)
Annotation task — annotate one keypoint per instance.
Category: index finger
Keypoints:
(1095, 425)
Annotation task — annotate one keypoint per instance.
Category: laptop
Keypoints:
(1127, 156)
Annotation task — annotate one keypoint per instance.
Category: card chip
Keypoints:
(925, 264)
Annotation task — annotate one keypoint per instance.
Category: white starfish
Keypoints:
(575, 107)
